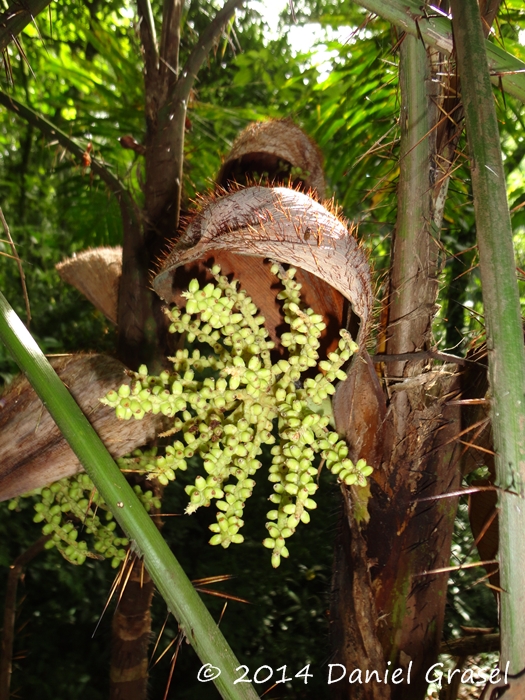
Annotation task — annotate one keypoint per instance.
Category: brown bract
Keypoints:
(281, 224)
(274, 147)
(35, 453)
(95, 273)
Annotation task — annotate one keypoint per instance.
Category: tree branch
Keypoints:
(131, 221)
(165, 149)
(413, 284)
(17, 17)
(200, 51)
(148, 38)
(170, 42)
(436, 31)
(53, 132)
(178, 100)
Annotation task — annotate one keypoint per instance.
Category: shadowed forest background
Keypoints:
(83, 70)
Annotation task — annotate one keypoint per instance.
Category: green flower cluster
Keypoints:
(73, 505)
(226, 406)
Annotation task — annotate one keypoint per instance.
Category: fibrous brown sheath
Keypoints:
(277, 149)
(96, 273)
(34, 451)
(281, 224)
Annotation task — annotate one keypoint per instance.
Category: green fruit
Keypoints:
(192, 307)
(228, 418)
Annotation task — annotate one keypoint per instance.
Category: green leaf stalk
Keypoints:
(433, 29)
(504, 324)
(177, 590)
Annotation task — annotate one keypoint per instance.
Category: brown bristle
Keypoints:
(278, 223)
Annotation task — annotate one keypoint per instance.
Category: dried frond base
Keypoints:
(96, 273)
(34, 452)
(278, 223)
(277, 150)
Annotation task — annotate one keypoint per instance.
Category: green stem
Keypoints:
(413, 280)
(177, 590)
(503, 319)
(52, 132)
(412, 17)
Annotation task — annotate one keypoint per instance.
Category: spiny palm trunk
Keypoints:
(131, 632)
(397, 610)
(142, 327)
(405, 537)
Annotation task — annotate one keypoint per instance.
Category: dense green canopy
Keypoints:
(81, 68)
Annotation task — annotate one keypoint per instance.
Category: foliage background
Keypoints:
(84, 73)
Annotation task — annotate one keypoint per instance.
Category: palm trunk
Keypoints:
(142, 327)
(131, 632)
(401, 538)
